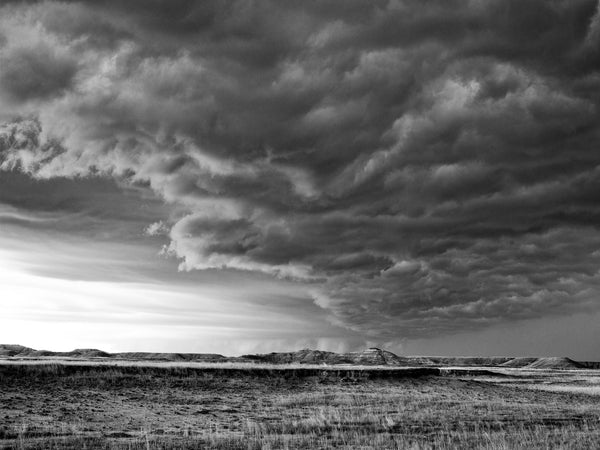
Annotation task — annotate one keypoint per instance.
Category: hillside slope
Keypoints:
(370, 357)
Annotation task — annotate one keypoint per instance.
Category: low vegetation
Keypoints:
(168, 407)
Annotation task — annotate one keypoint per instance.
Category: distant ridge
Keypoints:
(19, 351)
(590, 364)
(555, 363)
(14, 350)
(89, 353)
(370, 357)
(518, 362)
(468, 361)
(200, 357)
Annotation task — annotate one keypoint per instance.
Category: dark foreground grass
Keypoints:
(76, 407)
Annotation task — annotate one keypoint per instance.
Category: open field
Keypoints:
(90, 405)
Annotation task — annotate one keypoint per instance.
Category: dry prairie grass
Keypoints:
(87, 406)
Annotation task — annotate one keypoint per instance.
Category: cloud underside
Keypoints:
(424, 167)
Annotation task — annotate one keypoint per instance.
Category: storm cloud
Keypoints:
(423, 167)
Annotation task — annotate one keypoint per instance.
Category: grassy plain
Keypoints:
(140, 406)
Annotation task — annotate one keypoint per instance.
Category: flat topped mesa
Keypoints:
(377, 356)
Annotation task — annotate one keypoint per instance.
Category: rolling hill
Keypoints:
(369, 357)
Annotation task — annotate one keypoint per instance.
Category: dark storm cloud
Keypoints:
(35, 73)
(424, 167)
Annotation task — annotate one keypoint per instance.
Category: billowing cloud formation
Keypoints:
(424, 167)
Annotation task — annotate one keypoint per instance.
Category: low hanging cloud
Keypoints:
(424, 167)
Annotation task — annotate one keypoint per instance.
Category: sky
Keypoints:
(255, 176)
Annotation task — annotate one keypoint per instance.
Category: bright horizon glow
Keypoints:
(50, 311)
(58, 314)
